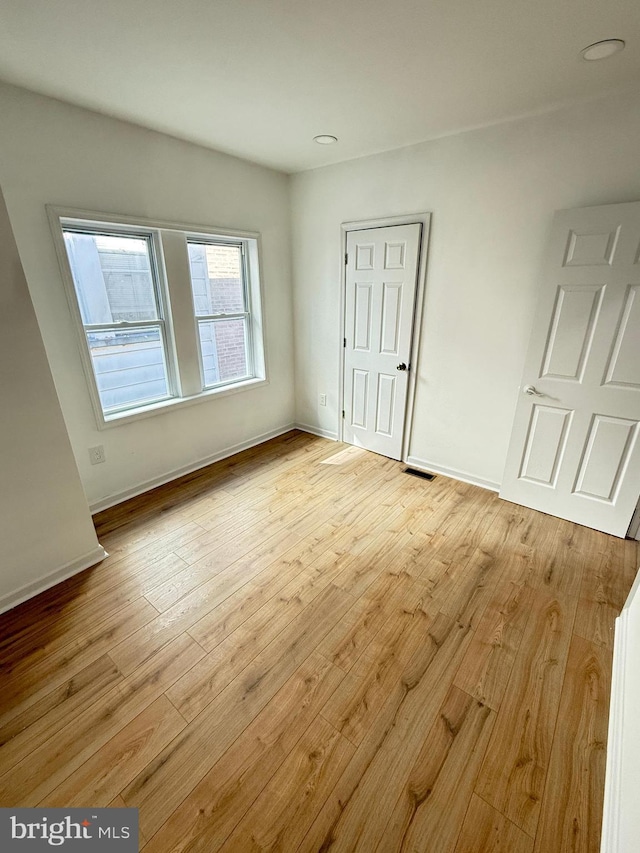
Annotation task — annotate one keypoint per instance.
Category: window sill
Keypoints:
(163, 406)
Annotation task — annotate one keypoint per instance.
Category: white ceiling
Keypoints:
(261, 78)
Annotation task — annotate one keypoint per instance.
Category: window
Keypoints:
(220, 304)
(119, 301)
(153, 334)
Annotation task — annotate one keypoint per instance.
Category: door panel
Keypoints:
(391, 313)
(624, 365)
(571, 331)
(394, 256)
(591, 248)
(574, 448)
(365, 256)
(545, 444)
(384, 404)
(362, 317)
(606, 457)
(381, 280)
(360, 403)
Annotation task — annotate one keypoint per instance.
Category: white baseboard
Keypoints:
(322, 433)
(112, 500)
(423, 465)
(29, 590)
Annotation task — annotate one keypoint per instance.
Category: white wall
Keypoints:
(54, 153)
(45, 523)
(492, 193)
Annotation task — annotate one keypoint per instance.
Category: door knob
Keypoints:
(531, 391)
(401, 366)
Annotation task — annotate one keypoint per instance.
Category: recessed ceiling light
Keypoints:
(602, 49)
(325, 139)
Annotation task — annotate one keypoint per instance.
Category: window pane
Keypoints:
(129, 366)
(216, 278)
(113, 278)
(224, 350)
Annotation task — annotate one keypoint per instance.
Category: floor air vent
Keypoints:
(415, 473)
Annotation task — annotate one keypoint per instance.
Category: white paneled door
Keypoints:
(575, 451)
(381, 279)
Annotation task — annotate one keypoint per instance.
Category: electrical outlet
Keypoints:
(96, 454)
(323, 399)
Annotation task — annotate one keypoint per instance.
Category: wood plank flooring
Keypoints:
(301, 648)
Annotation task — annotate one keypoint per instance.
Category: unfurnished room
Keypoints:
(319, 426)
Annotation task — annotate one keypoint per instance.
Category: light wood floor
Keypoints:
(304, 648)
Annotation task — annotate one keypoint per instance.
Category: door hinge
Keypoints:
(344, 342)
(343, 413)
(346, 258)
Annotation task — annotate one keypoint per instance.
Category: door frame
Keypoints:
(634, 525)
(423, 219)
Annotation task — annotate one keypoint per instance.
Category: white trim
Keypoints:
(164, 406)
(190, 228)
(34, 588)
(615, 740)
(634, 526)
(112, 500)
(424, 220)
(323, 433)
(343, 331)
(423, 465)
(632, 592)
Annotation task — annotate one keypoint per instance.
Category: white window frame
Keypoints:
(160, 297)
(170, 263)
